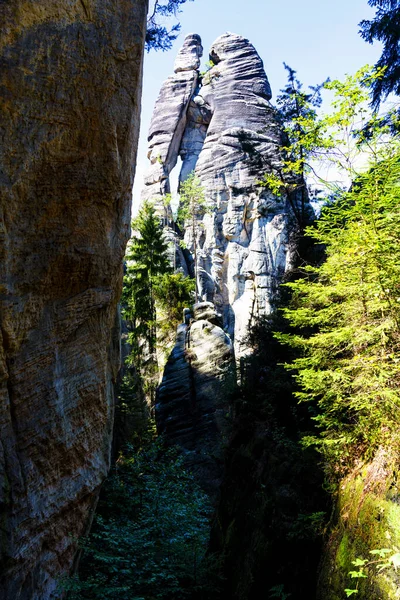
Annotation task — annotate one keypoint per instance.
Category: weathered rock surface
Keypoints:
(367, 517)
(193, 407)
(70, 100)
(229, 134)
(169, 120)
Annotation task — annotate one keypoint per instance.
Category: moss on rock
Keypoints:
(367, 518)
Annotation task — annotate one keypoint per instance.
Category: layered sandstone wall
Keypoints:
(70, 101)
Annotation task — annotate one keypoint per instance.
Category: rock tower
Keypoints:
(222, 126)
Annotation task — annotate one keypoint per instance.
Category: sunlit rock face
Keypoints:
(228, 132)
(70, 102)
(169, 120)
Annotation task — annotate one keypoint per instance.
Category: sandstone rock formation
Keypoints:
(169, 119)
(224, 128)
(70, 101)
(194, 399)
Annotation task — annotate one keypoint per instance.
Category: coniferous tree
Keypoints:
(147, 258)
(297, 113)
(346, 311)
(385, 27)
(158, 36)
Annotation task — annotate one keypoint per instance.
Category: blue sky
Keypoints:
(317, 38)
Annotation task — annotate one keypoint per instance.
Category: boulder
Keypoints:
(194, 400)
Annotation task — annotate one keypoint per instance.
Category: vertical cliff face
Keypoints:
(70, 99)
(225, 129)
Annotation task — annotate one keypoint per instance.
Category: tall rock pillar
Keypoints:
(226, 130)
(169, 120)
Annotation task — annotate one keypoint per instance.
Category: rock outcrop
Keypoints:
(223, 126)
(194, 399)
(70, 102)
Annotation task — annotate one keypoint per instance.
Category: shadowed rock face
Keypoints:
(194, 399)
(228, 132)
(70, 99)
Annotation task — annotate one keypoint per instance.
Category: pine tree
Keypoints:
(147, 258)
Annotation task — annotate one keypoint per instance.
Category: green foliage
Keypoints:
(385, 27)
(192, 206)
(159, 37)
(308, 526)
(207, 67)
(278, 591)
(316, 144)
(150, 533)
(347, 310)
(192, 202)
(298, 116)
(173, 293)
(210, 73)
(146, 259)
(380, 564)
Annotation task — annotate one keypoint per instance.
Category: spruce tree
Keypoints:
(345, 312)
(298, 115)
(385, 27)
(147, 258)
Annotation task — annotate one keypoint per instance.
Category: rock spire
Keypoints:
(224, 128)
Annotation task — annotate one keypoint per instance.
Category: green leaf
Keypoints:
(381, 552)
(359, 562)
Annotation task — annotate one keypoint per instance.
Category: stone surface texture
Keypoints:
(169, 120)
(223, 126)
(194, 398)
(70, 102)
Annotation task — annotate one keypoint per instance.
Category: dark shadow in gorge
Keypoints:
(270, 506)
(270, 519)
